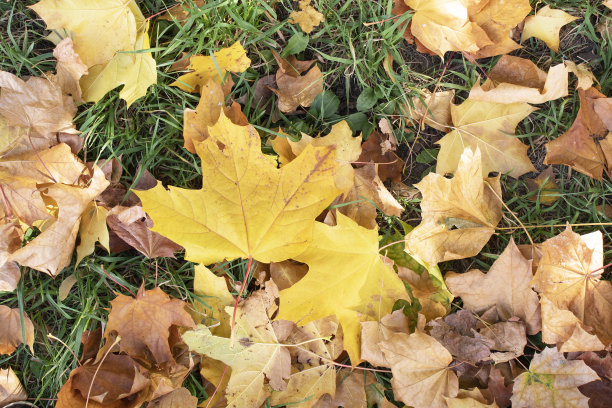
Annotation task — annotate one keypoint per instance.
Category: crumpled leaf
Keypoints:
(583, 73)
(432, 109)
(545, 25)
(92, 229)
(508, 284)
(497, 391)
(569, 275)
(459, 215)
(489, 127)
(307, 18)
(230, 59)
(509, 339)
(421, 377)
(11, 330)
(132, 225)
(294, 87)
(390, 165)
(69, 69)
(357, 285)
(10, 387)
(552, 381)
(275, 222)
(577, 147)
(515, 79)
(145, 323)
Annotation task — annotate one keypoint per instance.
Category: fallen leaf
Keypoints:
(285, 274)
(459, 215)
(390, 165)
(552, 381)
(598, 391)
(545, 25)
(421, 377)
(65, 287)
(10, 273)
(231, 59)
(274, 226)
(569, 275)
(212, 291)
(132, 225)
(179, 398)
(545, 186)
(508, 284)
(306, 386)
(577, 147)
(497, 391)
(432, 109)
(429, 289)
(295, 89)
(350, 391)
(490, 127)
(562, 328)
(182, 10)
(513, 80)
(583, 74)
(11, 332)
(372, 333)
(11, 389)
(69, 69)
(307, 18)
(358, 286)
(509, 340)
(144, 324)
(91, 230)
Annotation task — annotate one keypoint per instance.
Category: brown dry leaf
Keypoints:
(552, 381)
(468, 399)
(421, 377)
(569, 275)
(38, 104)
(69, 69)
(562, 328)
(11, 237)
(508, 284)
(598, 391)
(497, 390)
(307, 18)
(456, 332)
(432, 110)
(545, 186)
(10, 387)
(11, 330)
(350, 391)
(179, 398)
(459, 215)
(509, 340)
(182, 10)
(389, 164)
(577, 147)
(145, 324)
(372, 333)
(515, 79)
(545, 25)
(427, 290)
(490, 127)
(117, 382)
(91, 230)
(295, 89)
(286, 273)
(583, 73)
(132, 225)
(307, 385)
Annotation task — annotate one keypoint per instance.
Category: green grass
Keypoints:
(351, 54)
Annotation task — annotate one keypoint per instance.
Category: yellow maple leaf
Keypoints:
(246, 206)
(92, 229)
(459, 215)
(490, 127)
(307, 18)
(545, 25)
(347, 277)
(232, 59)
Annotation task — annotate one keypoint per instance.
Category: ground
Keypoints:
(350, 47)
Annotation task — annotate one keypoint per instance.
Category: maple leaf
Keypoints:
(12, 236)
(508, 284)
(489, 127)
(11, 332)
(432, 109)
(515, 79)
(69, 69)
(421, 377)
(179, 398)
(569, 275)
(285, 274)
(459, 215)
(144, 324)
(545, 25)
(307, 18)
(295, 89)
(346, 278)
(92, 229)
(598, 391)
(471, 398)
(583, 73)
(307, 385)
(275, 223)
(231, 59)
(508, 338)
(444, 25)
(255, 356)
(372, 333)
(577, 147)
(552, 381)
(214, 293)
(390, 164)
(10, 387)
(545, 186)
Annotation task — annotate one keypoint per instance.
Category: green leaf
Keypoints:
(357, 121)
(427, 156)
(296, 44)
(367, 99)
(324, 105)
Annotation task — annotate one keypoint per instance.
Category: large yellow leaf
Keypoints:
(133, 69)
(545, 25)
(347, 277)
(421, 377)
(552, 381)
(246, 206)
(213, 292)
(459, 215)
(569, 275)
(490, 127)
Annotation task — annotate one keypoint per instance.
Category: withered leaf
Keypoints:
(11, 330)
